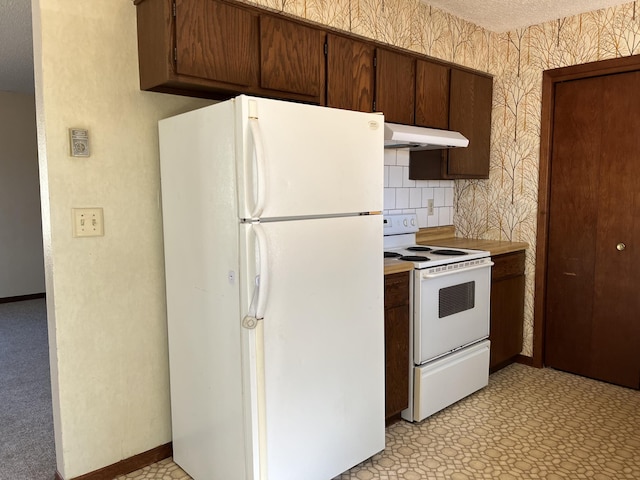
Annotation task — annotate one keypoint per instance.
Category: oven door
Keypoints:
(451, 308)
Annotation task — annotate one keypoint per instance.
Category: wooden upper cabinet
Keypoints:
(217, 41)
(470, 104)
(220, 49)
(395, 86)
(432, 95)
(349, 73)
(292, 57)
(223, 48)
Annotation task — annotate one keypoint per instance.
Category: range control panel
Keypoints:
(399, 224)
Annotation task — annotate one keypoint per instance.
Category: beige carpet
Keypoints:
(27, 450)
(527, 424)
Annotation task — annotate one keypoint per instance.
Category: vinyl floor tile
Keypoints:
(529, 424)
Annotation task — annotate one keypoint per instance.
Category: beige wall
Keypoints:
(21, 260)
(105, 294)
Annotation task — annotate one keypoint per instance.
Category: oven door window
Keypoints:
(456, 299)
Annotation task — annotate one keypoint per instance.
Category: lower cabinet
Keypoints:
(396, 338)
(507, 308)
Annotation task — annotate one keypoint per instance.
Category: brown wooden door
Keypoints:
(217, 41)
(292, 57)
(592, 303)
(349, 73)
(395, 86)
(470, 100)
(432, 95)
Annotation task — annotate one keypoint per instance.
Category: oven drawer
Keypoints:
(442, 382)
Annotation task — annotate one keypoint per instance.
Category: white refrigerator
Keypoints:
(274, 276)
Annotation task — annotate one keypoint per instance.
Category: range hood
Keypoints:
(421, 138)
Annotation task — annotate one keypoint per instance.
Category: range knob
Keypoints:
(405, 222)
(413, 222)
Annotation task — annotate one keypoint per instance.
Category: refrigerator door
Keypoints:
(302, 160)
(316, 359)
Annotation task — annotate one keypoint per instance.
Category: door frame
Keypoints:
(549, 80)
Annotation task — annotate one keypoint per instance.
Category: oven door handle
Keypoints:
(457, 270)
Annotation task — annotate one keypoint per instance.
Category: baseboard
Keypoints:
(524, 360)
(20, 298)
(127, 465)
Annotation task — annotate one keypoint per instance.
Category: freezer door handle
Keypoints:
(261, 290)
(250, 321)
(261, 159)
(263, 275)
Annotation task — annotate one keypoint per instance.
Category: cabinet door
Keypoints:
(395, 86)
(217, 41)
(470, 114)
(396, 342)
(432, 95)
(349, 73)
(507, 307)
(292, 57)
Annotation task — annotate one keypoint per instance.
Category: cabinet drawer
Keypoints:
(507, 265)
(396, 289)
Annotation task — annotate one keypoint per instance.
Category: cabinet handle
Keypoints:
(620, 247)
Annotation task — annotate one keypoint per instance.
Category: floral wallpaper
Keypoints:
(504, 207)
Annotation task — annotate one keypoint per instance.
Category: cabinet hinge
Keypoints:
(175, 54)
(174, 9)
(326, 49)
(375, 62)
(374, 106)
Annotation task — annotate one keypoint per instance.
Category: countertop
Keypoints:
(445, 237)
(391, 265)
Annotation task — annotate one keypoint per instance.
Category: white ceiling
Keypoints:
(16, 49)
(504, 15)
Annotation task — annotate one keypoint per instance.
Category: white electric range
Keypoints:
(450, 316)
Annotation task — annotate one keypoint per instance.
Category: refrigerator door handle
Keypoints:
(259, 299)
(256, 133)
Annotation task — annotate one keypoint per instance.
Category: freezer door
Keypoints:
(304, 160)
(317, 356)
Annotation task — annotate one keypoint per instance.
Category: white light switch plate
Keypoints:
(88, 222)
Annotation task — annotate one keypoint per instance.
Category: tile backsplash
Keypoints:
(402, 195)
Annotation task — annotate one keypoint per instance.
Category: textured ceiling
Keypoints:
(504, 15)
(16, 49)
(16, 46)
